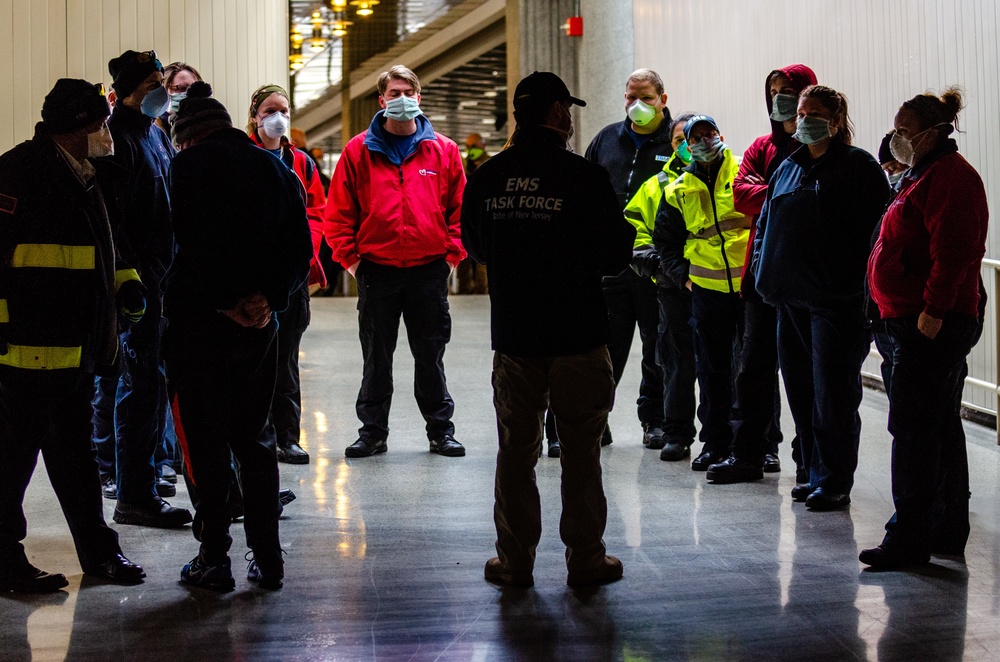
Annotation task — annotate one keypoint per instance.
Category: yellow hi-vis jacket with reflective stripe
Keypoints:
(717, 234)
(641, 209)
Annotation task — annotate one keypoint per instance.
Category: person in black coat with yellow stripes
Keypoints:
(60, 294)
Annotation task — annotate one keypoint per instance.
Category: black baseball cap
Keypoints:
(542, 87)
(698, 119)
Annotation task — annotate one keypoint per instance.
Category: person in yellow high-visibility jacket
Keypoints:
(674, 338)
(702, 240)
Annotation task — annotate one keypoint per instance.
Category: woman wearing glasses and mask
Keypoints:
(924, 275)
(267, 125)
(809, 255)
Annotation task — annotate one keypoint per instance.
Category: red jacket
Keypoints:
(765, 154)
(315, 199)
(401, 215)
(933, 239)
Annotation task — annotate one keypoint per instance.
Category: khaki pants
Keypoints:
(580, 391)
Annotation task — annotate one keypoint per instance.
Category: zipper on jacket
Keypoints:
(715, 217)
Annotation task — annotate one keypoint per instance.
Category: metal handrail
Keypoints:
(972, 381)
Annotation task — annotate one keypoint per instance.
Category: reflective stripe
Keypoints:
(663, 178)
(715, 274)
(4, 315)
(731, 224)
(56, 256)
(41, 358)
(124, 275)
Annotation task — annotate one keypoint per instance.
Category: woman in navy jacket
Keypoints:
(809, 256)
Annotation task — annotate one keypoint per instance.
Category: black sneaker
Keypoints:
(271, 580)
(218, 577)
(652, 437)
(156, 513)
(109, 489)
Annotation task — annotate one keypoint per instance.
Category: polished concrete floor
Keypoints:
(385, 554)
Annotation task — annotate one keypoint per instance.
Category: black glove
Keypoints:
(663, 280)
(645, 261)
(131, 300)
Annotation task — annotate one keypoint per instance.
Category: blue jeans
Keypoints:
(930, 470)
(820, 353)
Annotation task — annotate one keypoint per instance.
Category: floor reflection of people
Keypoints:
(823, 592)
(919, 628)
(15, 644)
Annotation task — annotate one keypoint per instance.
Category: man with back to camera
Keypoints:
(632, 151)
(392, 220)
(61, 291)
(549, 327)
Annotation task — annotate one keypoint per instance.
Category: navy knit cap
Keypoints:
(198, 115)
(73, 104)
(698, 119)
(129, 69)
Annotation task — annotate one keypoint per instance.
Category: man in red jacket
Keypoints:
(392, 220)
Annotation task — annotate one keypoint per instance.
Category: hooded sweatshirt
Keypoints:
(764, 155)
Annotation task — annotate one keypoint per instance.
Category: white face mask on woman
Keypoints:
(274, 125)
(902, 148)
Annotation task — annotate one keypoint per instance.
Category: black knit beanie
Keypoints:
(129, 69)
(199, 115)
(73, 104)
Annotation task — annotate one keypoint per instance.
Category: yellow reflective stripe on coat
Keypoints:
(122, 276)
(4, 314)
(54, 256)
(41, 358)
(723, 275)
(728, 224)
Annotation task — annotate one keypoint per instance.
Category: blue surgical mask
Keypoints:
(811, 130)
(175, 101)
(402, 108)
(707, 149)
(684, 152)
(155, 103)
(784, 107)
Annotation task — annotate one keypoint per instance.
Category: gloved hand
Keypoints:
(645, 261)
(131, 300)
(663, 280)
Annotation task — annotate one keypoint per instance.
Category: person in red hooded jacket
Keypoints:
(756, 428)
(267, 125)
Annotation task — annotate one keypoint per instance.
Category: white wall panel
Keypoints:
(715, 54)
(235, 44)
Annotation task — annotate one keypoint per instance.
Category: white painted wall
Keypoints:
(236, 45)
(715, 54)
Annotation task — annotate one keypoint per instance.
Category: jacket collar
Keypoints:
(947, 147)
(377, 141)
(125, 114)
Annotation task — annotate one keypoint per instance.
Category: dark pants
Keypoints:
(420, 296)
(284, 423)
(221, 383)
(103, 421)
(675, 353)
(757, 409)
(717, 319)
(139, 406)
(50, 411)
(631, 301)
(821, 353)
(580, 390)
(930, 469)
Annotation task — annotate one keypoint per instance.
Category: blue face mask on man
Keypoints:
(155, 103)
(402, 108)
